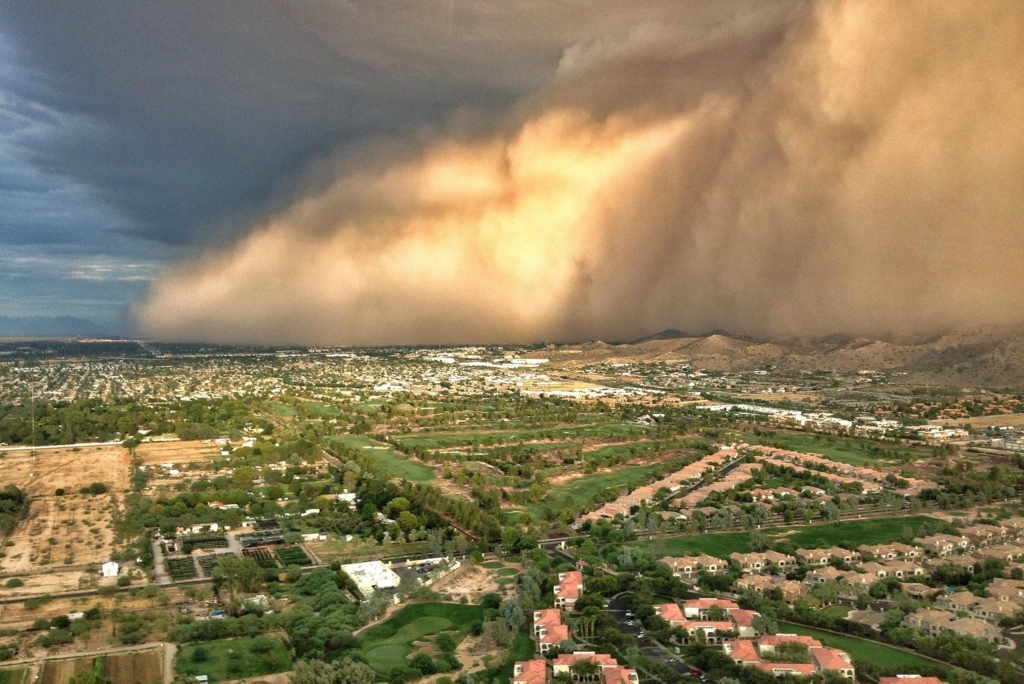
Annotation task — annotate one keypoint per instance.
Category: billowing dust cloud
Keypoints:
(864, 172)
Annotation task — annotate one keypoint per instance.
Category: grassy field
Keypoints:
(387, 459)
(581, 489)
(389, 644)
(863, 650)
(14, 676)
(720, 545)
(856, 452)
(234, 658)
(448, 440)
(872, 531)
(283, 410)
(522, 649)
(321, 409)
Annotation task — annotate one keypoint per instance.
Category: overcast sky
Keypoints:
(147, 147)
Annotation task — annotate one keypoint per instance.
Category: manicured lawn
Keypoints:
(857, 532)
(581, 489)
(856, 452)
(284, 410)
(234, 658)
(718, 545)
(507, 572)
(387, 459)
(493, 565)
(321, 409)
(863, 650)
(446, 440)
(837, 611)
(388, 645)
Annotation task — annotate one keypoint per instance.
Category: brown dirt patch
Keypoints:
(73, 530)
(68, 468)
(134, 668)
(471, 581)
(177, 452)
(60, 671)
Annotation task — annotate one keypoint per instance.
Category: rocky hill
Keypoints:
(991, 358)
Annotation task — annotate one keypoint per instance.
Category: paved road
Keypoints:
(617, 608)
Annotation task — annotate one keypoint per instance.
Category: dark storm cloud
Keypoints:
(859, 171)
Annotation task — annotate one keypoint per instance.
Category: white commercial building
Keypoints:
(371, 576)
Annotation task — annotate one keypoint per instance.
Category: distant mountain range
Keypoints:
(56, 326)
(992, 358)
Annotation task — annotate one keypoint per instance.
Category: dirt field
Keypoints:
(66, 468)
(45, 583)
(1008, 419)
(60, 671)
(177, 452)
(471, 581)
(134, 668)
(72, 530)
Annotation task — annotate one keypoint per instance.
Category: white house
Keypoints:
(109, 569)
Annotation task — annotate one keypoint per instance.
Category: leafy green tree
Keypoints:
(236, 575)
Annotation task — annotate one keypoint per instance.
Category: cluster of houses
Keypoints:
(962, 612)
(959, 612)
(772, 651)
(548, 628)
(609, 670)
(709, 620)
(550, 632)
(870, 480)
(687, 475)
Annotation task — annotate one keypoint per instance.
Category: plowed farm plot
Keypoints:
(60, 671)
(177, 452)
(134, 668)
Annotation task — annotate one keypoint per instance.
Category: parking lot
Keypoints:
(618, 609)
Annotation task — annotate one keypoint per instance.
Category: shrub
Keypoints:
(59, 492)
(14, 583)
(124, 581)
(200, 655)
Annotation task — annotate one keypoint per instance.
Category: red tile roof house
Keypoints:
(548, 629)
(910, 679)
(671, 613)
(611, 671)
(568, 589)
(749, 652)
(699, 608)
(553, 637)
(530, 672)
(544, 619)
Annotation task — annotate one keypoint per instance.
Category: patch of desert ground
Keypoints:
(67, 468)
(471, 581)
(177, 451)
(70, 530)
(279, 678)
(40, 584)
(16, 616)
